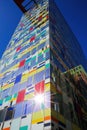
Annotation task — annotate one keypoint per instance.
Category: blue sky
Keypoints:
(74, 11)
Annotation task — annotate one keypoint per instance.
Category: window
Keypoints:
(61, 128)
(2, 114)
(9, 113)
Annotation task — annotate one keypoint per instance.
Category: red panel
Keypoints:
(20, 97)
(21, 24)
(40, 18)
(18, 49)
(31, 29)
(39, 88)
(47, 17)
(22, 63)
(32, 39)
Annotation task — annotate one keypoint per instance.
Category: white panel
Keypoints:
(7, 124)
(26, 121)
(37, 127)
(15, 124)
(47, 128)
(5, 104)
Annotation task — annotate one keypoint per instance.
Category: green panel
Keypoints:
(1, 101)
(24, 128)
(8, 98)
(47, 65)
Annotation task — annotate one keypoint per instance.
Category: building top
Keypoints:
(25, 5)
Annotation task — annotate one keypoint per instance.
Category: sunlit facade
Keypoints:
(32, 95)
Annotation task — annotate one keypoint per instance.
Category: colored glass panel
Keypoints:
(22, 63)
(18, 49)
(18, 78)
(24, 128)
(39, 87)
(32, 39)
(21, 95)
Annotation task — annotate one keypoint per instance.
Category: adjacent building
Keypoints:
(37, 81)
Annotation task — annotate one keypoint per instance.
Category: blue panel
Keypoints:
(33, 51)
(27, 107)
(30, 81)
(47, 55)
(41, 46)
(18, 110)
(39, 77)
(15, 88)
(23, 85)
(33, 62)
(5, 93)
(40, 58)
(47, 73)
(18, 78)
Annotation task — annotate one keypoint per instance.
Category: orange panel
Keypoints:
(47, 118)
(7, 128)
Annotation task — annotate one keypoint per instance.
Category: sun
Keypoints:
(39, 98)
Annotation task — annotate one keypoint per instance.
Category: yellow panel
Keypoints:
(24, 77)
(61, 118)
(53, 88)
(41, 116)
(31, 72)
(54, 114)
(47, 87)
(29, 96)
(35, 22)
(38, 117)
(23, 80)
(75, 127)
(37, 120)
(1, 75)
(40, 69)
(30, 48)
(24, 52)
(10, 85)
(15, 66)
(47, 112)
(45, 14)
(5, 86)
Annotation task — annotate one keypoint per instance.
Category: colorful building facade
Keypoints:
(31, 93)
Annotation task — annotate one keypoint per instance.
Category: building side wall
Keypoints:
(64, 44)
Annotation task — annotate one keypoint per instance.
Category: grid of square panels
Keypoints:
(26, 72)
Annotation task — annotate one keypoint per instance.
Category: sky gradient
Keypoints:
(74, 11)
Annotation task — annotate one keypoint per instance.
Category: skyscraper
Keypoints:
(33, 92)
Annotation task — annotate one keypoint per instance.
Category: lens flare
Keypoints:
(39, 98)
